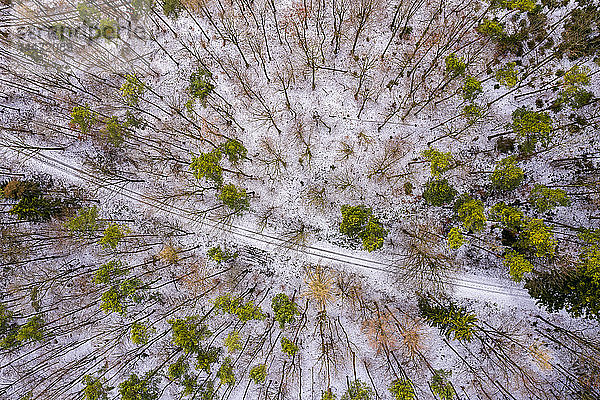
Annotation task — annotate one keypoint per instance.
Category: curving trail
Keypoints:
(466, 285)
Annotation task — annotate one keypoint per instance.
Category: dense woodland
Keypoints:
(299, 199)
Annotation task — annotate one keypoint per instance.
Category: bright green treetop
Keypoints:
(225, 373)
(219, 255)
(532, 126)
(517, 265)
(402, 389)
(232, 342)
(455, 65)
(471, 88)
(235, 306)
(452, 320)
(206, 357)
(544, 198)
(358, 390)
(177, 369)
(113, 234)
(258, 373)
(8, 328)
(288, 347)
(538, 238)
(573, 92)
(471, 213)
(359, 221)
(95, 388)
(84, 223)
(84, 118)
(200, 84)
(32, 330)
(491, 28)
(135, 388)
(328, 395)
(111, 301)
(285, 309)
(140, 333)
(510, 217)
(188, 333)
(507, 75)
(455, 238)
(441, 386)
(113, 131)
(206, 165)
(234, 197)
(521, 5)
(438, 192)
(234, 150)
(354, 219)
(117, 298)
(472, 113)
(110, 271)
(577, 76)
(507, 175)
(373, 235)
(132, 89)
(440, 162)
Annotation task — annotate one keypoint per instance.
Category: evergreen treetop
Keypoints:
(454, 322)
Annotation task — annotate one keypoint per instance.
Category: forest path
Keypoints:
(466, 285)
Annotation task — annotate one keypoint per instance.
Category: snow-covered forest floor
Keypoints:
(307, 199)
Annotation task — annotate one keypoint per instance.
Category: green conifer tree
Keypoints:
(507, 175)
(453, 321)
(471, 88)
(206, 165)
(188, 333)
(440, 162)
(471, 213)
(285, 309)
(358, 390)
(517, 265)
(441, 386)
(85, 223)
(455, 65)
(225, 373)
(288, 347)
(438, 192)
(135, 388)
(544, 198)
(258, 373)
(402, 389)
(132, 89)
(83, 118)
(95, 388)
(455, 238)
(532, 127)
(234, 197)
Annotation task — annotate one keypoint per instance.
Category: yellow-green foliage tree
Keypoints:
(544, 198)
(538, 238)
(440, 162)
(517, 265)
(455, 238)
(507, 175)
(132, 89)
(471, 213)
(359, 221)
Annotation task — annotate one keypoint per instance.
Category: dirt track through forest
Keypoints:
(466, 285)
